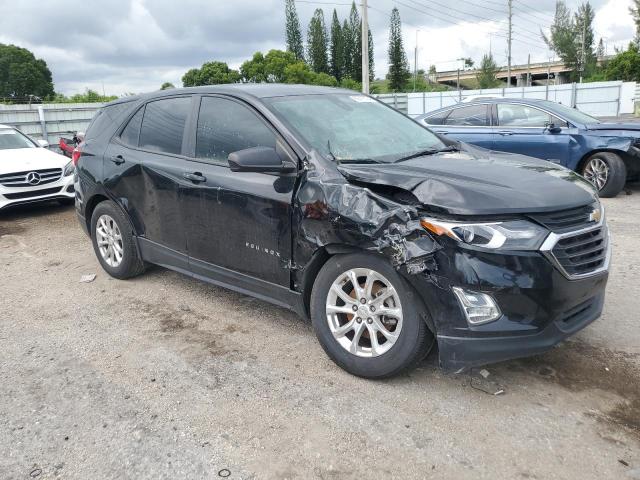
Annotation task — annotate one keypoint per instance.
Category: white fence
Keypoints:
(600, 99)
(49, 120)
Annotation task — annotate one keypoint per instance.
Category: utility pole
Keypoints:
(365, 48)
(529, 70)
(509, 2)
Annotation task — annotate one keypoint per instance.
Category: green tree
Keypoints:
(486, 75)
(268, 68)
(600, 53)
(21, 74)
(317, 43)
(336, 48)
(583, 21)
(563, 38)
(372, 64)
(468, 62)
(634, 10)
(348, 43)
(625, 65)
(167, 85)
(253, 70)
(398, 63)
(298, 72)
(293, 30)
(211, 73)
(355, 25)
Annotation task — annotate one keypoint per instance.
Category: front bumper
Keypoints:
(61, 189)
(540, 306)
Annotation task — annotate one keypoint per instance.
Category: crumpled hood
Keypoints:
(476, 181)
(629, 126)
(24, 159)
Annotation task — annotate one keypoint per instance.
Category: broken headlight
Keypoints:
(508, 235)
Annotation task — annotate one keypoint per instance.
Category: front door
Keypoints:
(238, 223)
(525, 130)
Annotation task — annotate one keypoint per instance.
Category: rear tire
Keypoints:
(335, 317)
(114, 242)
(607, 172)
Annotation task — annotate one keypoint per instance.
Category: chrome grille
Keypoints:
(19, 179)
(579, 253)
(567, 220)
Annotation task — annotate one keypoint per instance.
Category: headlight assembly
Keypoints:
(68, 169)
(509, 235)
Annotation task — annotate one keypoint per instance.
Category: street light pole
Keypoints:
(509, 45)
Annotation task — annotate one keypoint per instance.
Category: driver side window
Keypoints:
(226, 126)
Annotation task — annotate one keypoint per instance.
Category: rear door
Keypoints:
(468, 123)
(238, 223)
(524, 129)
(147, 168)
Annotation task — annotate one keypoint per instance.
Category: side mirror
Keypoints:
(43, 143)
(259, 159)
(553, 128)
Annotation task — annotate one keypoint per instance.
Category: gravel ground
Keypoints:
(167, 377)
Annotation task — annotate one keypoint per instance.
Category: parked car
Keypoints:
(342, 209)
(606, 154)
(29, 172)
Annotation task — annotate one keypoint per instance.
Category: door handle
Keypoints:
(504, 133)
(118, 159)
(442, 132)
(195, 177)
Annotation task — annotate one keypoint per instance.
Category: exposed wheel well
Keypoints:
(623, 155)
(91, 206)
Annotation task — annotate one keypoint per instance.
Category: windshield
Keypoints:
(353, 128)
(10, 138)
(572, 114)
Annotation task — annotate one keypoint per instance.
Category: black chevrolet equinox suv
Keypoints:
(387, 236)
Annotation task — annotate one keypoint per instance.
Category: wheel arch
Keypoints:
(96, 200)
(323, 254)
(623, 155)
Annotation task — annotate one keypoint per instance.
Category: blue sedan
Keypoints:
(606, 154)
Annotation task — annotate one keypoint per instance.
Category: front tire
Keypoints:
(367, 317)
(607, 172)
(114, 243)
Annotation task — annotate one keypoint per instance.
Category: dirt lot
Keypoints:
(167, 377)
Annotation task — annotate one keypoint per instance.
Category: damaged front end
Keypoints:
(536, 305)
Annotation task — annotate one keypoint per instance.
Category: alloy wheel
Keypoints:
(364, 312)
(597, 172)
(109, 240)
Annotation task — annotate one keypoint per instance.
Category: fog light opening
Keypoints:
(478, 307)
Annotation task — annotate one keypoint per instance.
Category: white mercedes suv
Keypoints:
(29, 172)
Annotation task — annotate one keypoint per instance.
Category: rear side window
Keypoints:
(163, 124)
(471, 116)
(225, 126)
(105, 118)
(437, 119)
(131, 132)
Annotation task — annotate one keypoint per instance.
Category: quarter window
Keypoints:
(163, 124)
(226, 126)
(471, 116)
(514, 115)
(131, 132)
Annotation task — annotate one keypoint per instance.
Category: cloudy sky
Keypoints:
(136, 45)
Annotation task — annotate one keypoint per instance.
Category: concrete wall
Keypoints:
(600, 99)
(50, 121)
